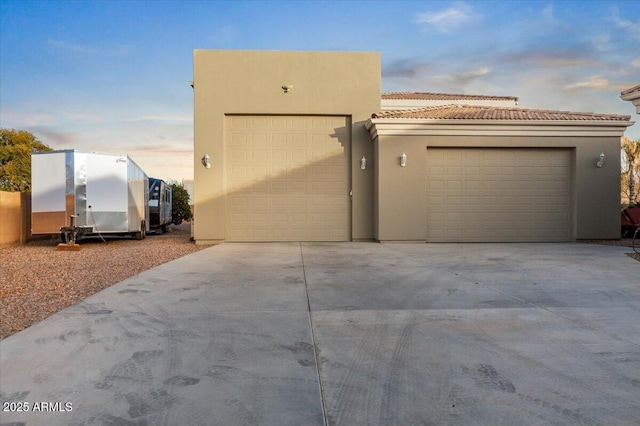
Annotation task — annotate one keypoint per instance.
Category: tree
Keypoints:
(16, 147)
(180, 208)
(630, 176)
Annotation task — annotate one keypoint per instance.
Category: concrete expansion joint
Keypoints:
(533, 305)
(313, 340)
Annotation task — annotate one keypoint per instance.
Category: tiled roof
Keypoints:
(444, 97)
(469, 112)
(634, 89)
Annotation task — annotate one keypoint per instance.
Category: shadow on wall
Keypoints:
(278, 194)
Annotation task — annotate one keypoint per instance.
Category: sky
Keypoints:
(113, 76)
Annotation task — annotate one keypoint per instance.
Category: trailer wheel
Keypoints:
(163, 228)
(142, 233)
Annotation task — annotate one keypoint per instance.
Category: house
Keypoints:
(302, 146)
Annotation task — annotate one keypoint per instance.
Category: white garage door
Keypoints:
(287, 178)
(499, 195)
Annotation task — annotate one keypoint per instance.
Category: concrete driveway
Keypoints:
(345, 334)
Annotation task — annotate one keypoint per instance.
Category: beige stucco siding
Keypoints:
(250, 82)
(401, 190)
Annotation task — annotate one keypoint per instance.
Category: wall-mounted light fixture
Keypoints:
(363, 163)
(600, 161)
(403, 160)
(286, 89)
(205, 161)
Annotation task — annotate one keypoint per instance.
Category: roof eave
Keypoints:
(389, 120)
(409, 126)
(631, 96)
(634, 98)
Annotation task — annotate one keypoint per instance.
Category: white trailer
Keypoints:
(96, 193)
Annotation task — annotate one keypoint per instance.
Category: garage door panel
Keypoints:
(278, 203)
(279, 217)
(504, 194)
(322, 187)
(299, 233)
(258, 202)
(319, 170)
(259, 217)
(278, 186)
(290, 175)
(299, 202)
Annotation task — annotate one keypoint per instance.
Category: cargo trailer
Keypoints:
(160, 204)
(79, 194)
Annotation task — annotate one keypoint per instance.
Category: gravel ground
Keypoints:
(623, 242)
(37, 280)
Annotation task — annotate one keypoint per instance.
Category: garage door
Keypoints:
(287, 178)
(499, 195)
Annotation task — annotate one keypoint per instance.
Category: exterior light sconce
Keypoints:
(205, 161)
(286, 89)
(363, 163)
(600, 161)
(403, 160)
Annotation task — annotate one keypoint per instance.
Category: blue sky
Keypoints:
(112, 76)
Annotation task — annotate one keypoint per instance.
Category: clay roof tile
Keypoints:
(472, 112)
(443, 96)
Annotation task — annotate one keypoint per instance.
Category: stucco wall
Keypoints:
(400, 195)
(401, 190)
(250, 82)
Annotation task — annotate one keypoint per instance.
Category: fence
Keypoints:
(15, 217)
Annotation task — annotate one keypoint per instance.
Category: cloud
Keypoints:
(450, 19)
(596, 82)
(42, 121)
(224, 35)
(80, 116)
(463, 79)
(20, 119)
(55, 139)
(602, 42)
(636, 62)
(162, 118)
(551, 57)
(630, 27)
(168, 162)
(405, 68)
(176, 148)
(88, 50)
(547, 14)
(541, 24)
